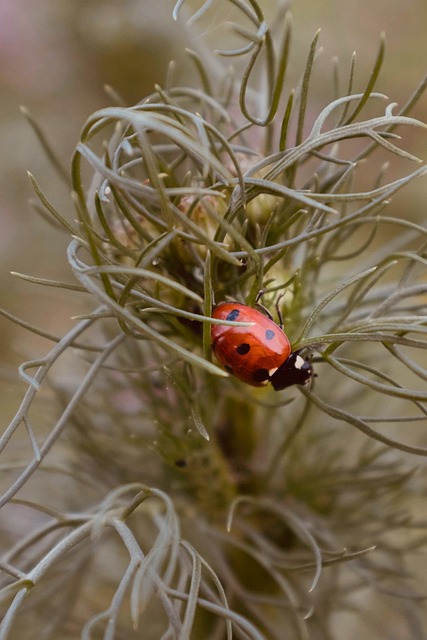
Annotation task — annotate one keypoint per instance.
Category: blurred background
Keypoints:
(56, 58)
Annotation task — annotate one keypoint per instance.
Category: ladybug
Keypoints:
(257, 354)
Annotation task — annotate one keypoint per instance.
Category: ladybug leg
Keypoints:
(261, 306)
(266, 311)
(259, 295)
(278, 311)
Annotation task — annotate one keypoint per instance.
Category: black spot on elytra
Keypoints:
(261, 375)
(233, 315)
(269, 334)
(243, 348)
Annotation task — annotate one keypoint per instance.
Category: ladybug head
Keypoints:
(295, 370)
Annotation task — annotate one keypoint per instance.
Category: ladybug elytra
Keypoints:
(257, 354)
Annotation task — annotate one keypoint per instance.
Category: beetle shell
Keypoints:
(256, 354)
(253, 354)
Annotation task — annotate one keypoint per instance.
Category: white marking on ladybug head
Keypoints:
(299, 362)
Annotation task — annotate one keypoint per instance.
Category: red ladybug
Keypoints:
(258, 354)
